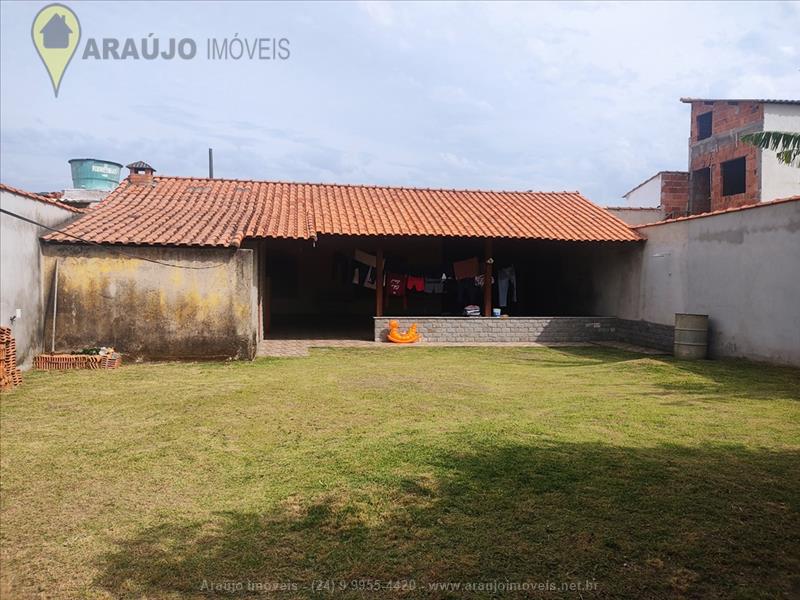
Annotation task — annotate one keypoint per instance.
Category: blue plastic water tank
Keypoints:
(94, 174)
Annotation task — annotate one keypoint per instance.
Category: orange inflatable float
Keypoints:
(399, 337)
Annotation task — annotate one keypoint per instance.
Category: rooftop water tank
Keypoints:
(94, 174)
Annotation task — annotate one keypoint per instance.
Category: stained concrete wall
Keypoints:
(741, 268)
(20, 269)
(204, 306)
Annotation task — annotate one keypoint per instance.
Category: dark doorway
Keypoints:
(700, 201)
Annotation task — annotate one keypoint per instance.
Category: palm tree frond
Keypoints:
(785, 143)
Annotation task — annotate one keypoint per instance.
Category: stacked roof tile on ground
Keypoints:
(221, 212)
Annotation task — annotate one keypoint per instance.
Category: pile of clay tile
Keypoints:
(10, 375)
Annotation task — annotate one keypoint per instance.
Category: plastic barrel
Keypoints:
(691, 336)
(94, 174)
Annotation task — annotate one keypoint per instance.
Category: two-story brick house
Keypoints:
(725, 172)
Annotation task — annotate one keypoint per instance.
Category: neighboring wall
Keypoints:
(154, 311)
(636, 216)
(742, 268)
(777, 179)
(20, 269)
(646, 194)
(666, 192)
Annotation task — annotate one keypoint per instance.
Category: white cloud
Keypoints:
(490, 95)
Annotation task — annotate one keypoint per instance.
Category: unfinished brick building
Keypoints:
(725, 172)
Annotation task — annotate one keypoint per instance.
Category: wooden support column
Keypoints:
(487, 279)
(379, 283)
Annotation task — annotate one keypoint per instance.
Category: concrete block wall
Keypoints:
(645, 333)
(530, 329)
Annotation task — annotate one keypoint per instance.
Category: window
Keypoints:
(704, 126)
(734, 176)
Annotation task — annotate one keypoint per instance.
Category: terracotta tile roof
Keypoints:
(721, 211)
(223, 212)
(39, 198)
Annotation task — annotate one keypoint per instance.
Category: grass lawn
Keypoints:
(646, 477)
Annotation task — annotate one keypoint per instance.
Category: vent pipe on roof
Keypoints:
(210, 163)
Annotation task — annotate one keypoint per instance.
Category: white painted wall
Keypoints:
(779, 180)
(20, 269)
(741, 268)
(636, 215)
(648, 195)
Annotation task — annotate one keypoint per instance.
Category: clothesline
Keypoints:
(466, 274)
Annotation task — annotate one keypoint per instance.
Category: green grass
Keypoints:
(649, 477)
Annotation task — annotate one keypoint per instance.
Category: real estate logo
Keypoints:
(56, 33)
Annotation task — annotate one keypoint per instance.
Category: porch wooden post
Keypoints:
(379, 283)
(487, 279)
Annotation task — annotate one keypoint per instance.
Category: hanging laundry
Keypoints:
(466, 269)
(369, 280)
(479, 279)
(434, 285)
(365, 258)
(505, 277)
(415, 283)
(395, 284)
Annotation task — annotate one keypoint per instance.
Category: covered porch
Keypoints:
(340, 287)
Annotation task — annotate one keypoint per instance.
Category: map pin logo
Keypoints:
(56, 32)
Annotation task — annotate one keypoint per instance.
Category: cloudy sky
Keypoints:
(497, 95)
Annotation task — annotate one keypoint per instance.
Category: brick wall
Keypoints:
(533, 329)
(729, 121)
(726, 116)
(674, 193)
(714, 160)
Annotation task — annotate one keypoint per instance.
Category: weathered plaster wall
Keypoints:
(741, 268)
(20, 269)
(152, 311)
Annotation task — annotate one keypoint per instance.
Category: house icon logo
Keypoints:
(56, 32)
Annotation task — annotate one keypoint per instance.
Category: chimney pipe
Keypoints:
(210, 163)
